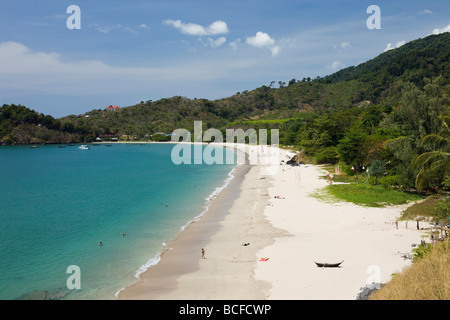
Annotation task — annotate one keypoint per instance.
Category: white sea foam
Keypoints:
(151, 262)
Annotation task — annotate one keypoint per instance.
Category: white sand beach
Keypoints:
(271, 210)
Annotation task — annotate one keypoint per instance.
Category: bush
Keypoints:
(389, 181)
(327, 155)
(160, 137)
(442, 210)
(446, 183)
(373, 181)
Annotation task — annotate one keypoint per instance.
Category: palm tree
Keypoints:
(435, 164)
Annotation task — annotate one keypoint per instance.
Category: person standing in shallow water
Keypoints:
(203, 254)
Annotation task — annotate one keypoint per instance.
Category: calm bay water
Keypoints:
(58, 204)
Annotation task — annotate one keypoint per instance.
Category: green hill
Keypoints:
(20, 125)
(374, 81)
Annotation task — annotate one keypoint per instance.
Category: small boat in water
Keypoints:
(328, 265)
(84, 147)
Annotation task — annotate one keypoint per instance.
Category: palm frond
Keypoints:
(435, 141)
(433, 165)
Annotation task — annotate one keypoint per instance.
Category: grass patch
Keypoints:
(364, 194)
(422, 209)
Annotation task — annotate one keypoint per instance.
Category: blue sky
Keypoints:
(128, 51)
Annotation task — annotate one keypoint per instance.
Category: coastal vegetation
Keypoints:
(21, 125)
(426, 279)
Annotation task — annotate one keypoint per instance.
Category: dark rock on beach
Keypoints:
(365, 292)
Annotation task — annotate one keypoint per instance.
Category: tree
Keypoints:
(349, 148)
(419, 110)
(401, 152)
(434, 165)
(377, 170)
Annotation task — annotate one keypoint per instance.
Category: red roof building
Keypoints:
(112, 108)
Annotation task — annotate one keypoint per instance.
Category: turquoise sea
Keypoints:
(57, 205)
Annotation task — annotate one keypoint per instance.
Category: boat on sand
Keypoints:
(328, 265)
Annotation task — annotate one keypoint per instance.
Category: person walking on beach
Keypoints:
(203, 254)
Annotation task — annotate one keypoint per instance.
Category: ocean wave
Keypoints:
(151, 262)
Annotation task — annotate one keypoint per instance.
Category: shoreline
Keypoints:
(199, 231)
(275, 214)
(157, 257)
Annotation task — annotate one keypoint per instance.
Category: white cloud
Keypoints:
(235, 43)
(426, 11)
(193, 29)
(104, 29)
(275, 51)
(390, 46)
(108, 29)
(209, 42)
(264, 41)
(336, 64)
(217, 27)
(261, 40)
(345, 45)
(438, 31)
(342, 46)
(218, 42)
(126, 29)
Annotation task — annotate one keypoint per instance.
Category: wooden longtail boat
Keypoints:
(328, 265)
